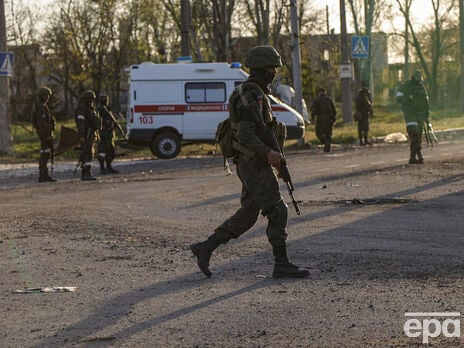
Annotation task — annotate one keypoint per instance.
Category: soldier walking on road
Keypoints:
(106, 148)
(323, 115)
(363, 112)
(44, 123)
(414, 101)
(255, 162)
(88, 126)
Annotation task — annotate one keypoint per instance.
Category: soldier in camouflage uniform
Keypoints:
(260, 187)
(106, 148)
(414, 101)
(364, 107)
(323, 114)
(44, 124)
(88, 126)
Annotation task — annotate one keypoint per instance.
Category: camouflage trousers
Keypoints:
(260, 192)
(363, 128)
(323, 127)
(415, 135)
(106, 148)
(88, 149)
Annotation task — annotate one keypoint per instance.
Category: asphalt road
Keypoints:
(383, 239)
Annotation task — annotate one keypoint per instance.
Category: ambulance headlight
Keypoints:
(235, 65)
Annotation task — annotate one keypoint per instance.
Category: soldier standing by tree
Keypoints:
(106, 148)
(88, 126)
(260, 187)
(414, 101)
(323, 114)
(44, 123)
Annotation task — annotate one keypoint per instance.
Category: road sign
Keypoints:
(6, 63)
(345, 71)
(360, 47)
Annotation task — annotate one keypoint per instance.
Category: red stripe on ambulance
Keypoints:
(175, 109)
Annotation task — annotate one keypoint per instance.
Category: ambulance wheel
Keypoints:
(166, 145)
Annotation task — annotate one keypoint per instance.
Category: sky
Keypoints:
(421, 10)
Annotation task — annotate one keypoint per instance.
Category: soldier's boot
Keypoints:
(203, 252)
(43, 170)
(110, 169)
(420, 159)
(283, 268)
(412, 157)
(101, 161)
(44, 177)
(327, 147)
(87, 174)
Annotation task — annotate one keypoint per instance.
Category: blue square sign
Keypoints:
(360, 47)
(6, 63)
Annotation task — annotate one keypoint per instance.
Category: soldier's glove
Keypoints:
(274, 158)
(277, 169)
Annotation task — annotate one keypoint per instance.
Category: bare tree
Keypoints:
(268, 19)
(437, 35)
(366, 14)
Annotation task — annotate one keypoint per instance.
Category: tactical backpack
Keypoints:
(224, 138)
(225, 132)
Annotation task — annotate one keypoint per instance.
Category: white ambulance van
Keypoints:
(171, 104)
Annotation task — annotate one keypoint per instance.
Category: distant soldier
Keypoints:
(88, 126)
(44, 124)
(323, 114)
(106, 148)
(363, 112)
(414, 101)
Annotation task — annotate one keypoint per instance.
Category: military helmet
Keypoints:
(104, 99)
(417, 75)
(262, 56)
(88, 95)
(44, 91)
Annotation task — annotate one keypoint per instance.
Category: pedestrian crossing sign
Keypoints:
(360, 47)
(6, 63)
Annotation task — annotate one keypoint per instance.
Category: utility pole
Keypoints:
(185, 28)
(345, 67)
(296, 61)
(5, 127)
(406, 44)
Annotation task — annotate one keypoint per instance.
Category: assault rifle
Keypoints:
(115, 122)
(430, 134)
(52, 153)
(254, 110)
